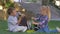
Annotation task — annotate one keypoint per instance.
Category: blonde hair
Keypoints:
(46, 10)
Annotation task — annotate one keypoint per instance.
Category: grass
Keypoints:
(3, 27)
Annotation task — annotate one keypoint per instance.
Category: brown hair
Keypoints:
(10, 10)
(46, 10)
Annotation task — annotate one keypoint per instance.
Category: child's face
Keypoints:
(14, 12)
(43, 11)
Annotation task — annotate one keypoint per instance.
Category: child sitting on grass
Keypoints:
(13, 22)
(43, 21)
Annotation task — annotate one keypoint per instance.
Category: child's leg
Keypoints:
(53, 30)
(24, 29)
(40, 30)
(56, 30)
(20, 28)
(46, 29)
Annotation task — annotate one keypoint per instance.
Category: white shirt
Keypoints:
(12, 22)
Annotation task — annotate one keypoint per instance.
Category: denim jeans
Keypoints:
(46, 29)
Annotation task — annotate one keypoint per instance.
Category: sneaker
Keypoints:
(58, 29)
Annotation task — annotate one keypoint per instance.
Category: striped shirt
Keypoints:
(43, 21)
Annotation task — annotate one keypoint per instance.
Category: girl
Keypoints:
(43, 21)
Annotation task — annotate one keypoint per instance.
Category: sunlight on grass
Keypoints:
(30, 31)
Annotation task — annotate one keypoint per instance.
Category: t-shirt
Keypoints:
(12, 22)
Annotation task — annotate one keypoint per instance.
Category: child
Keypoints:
(43, 21)
(13, 22)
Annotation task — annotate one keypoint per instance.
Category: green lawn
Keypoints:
(3, 27)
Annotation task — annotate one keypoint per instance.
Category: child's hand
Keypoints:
(22, 15)
(40, 23)
(32, 17)
(35, 23)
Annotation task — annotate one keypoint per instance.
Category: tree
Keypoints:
(45, 2)
(6, 4)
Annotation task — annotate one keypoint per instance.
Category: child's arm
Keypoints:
(40, 23)
(35, 23)
(34, 18)
(19, 21)
(44, 21)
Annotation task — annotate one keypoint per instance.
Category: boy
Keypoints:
(13, 21)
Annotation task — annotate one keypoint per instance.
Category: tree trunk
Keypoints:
(45, 2)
